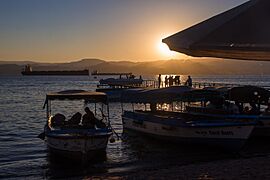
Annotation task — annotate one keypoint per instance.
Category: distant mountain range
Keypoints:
(190, 66)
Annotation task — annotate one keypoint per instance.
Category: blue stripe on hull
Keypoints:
(180, 121)
(232, 144)
(228, 144)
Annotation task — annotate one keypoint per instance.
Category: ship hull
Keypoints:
(56, 73)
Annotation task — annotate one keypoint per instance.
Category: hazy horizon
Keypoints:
(127, 60)
(66, 30)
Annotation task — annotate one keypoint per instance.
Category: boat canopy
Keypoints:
(161, 95)
(121, 82)
(171, 94)
(239, 33)
(197, 95)
(88, 96)
(249, 94)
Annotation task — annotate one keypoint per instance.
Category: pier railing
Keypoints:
(198, 85)
(212, 84)
(216, 85)
(149, 84)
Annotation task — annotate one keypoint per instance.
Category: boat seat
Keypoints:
(74, 120)
(58, 120)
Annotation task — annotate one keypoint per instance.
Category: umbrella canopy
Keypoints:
(239, 33)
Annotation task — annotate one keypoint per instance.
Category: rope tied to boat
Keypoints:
(110, 126)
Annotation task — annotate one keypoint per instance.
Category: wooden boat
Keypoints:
(183, 126)
(75, 141)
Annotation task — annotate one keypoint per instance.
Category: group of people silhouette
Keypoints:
(171, 81)
(88, 120)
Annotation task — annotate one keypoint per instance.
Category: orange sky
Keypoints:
(66, 30)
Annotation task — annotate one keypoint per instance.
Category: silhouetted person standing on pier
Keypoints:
(170, 81)
(189, 82)
(177, 80)
(166, 81)
(159, 80)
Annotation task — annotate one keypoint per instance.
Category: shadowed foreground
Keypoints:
(253, 162)
(250, 168)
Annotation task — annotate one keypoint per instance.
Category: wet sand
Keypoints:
(252, 162)
(241, 168)
(253, 168)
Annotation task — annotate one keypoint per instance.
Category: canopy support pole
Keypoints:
(47, 110)
(108, 112)
(95, 109)
(50, 108)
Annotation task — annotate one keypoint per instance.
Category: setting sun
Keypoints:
(165, 51)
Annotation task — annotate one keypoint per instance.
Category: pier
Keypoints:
(96, 73)
(198, 85)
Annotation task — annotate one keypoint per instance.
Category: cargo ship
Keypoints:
(29, 72)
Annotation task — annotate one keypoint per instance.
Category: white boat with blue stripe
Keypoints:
(179, 126)
(76, 138)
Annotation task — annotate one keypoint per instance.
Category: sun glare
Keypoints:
(164, 50)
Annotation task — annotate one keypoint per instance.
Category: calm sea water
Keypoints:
(23, 155)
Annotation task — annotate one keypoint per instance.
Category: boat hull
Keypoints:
(113, 94)
(263, 128)
(228, 144)
(231, 137)
(77, 146)
(56, 73)
(76, 155)
(121, 82)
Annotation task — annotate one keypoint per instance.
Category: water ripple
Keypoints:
(23, 155)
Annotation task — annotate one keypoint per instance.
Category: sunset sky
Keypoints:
(68, 30)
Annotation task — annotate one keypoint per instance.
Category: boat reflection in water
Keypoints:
(65, 168)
